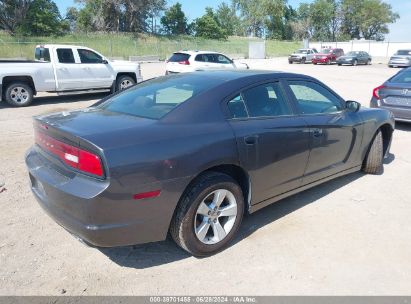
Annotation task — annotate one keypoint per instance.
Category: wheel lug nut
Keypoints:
(215, 220)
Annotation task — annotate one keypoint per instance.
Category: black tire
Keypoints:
(124, 80)
(339, 64)
(369, 62)
(315, 63)
(373, 162)
(182, 225)
(390, 66)
(19, 94)
(355, 62)
(303, 60)
(328, 62)
(290, 62)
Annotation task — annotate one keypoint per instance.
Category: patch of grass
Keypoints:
(125, 45)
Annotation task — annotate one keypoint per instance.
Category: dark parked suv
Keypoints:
(328, 56)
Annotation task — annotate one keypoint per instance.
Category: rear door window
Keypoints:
(42, 54)
(65, 55)
(265, 100)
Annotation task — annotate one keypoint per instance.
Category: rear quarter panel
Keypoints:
(373, 119)
(42, 73)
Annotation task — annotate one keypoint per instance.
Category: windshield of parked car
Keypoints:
(326, 51)
(403, 52)
(402, 77)
(302, 52)
(155, 98)
(352, 53)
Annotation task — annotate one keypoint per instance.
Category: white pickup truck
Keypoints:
(64, 69)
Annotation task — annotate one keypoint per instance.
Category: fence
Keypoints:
(123, 45)
(374, 48)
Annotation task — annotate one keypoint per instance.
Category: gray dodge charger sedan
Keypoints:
(189, 154)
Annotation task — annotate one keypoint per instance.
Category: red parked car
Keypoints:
(328, 56)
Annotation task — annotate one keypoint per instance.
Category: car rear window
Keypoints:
(402, 77)
(403, 52)
(42, 54)
(178, 57)
(155, 98)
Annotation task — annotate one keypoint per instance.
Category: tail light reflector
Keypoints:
(376, 92)
(185, 62)
(74, 157)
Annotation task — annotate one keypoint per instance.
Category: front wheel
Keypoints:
(369, 62)
(124, 82)
(208, 215)
(355, 62)
(19, 94)
(303, 61)
(374, 160)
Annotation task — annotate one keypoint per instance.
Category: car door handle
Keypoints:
(317, 132)
(251, 140)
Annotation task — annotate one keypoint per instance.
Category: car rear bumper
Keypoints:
(400, 113)
(95, 211)
(399, 63)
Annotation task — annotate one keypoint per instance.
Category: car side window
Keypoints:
(313, 98)
(266, 100)
(237, 108)
(65, 56)
(223, 60)
(87, 56)
(199, 58)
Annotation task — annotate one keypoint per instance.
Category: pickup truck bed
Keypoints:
(63, 69)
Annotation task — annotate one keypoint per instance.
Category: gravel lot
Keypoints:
(348, 236)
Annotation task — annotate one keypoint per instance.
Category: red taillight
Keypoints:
(74, 157)
(185, 62)
(376, 92)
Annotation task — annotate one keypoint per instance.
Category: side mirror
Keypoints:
(352, 106)
(104, 61)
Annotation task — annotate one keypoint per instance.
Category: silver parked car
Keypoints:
(302, 56)
(402, 58)
(395, 95)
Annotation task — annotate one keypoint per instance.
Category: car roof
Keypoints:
(67, 46)
(233, 74)
(190, 52)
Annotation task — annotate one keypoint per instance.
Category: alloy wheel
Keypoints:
(215, 216)
(19, 94)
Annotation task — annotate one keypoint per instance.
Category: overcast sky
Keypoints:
(400, 31)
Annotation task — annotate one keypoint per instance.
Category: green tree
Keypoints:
(174, 21)
(367, 19)
(228, 20)
(43, 19)
(118, 15)
(207, 26)
(12, 14)
(279, 22)
(256, 14)
(72, 15)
